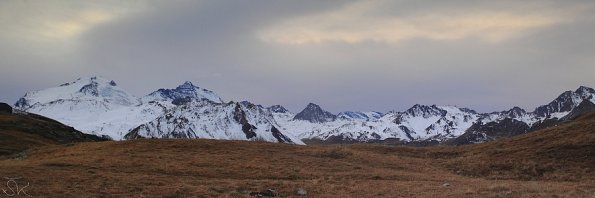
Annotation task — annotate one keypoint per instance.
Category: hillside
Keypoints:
(564, 152)
(22, 131)
(557, 161)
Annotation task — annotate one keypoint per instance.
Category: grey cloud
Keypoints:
(215, 45)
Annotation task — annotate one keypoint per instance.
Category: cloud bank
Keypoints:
(348, 55)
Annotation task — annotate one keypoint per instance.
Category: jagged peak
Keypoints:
(515, 112)
(585, 92)
(312, 105)
(278, 109)
(186, 85)
(517, 109)
(585, 89)
(565, 102)
(315, 113)
(416, 109)
(184, 90)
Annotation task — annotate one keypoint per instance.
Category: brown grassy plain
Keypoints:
(555, 162)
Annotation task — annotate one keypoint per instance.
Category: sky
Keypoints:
(343, 55)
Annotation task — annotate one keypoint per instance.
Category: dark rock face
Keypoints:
(22, 103)
(493, 130)
(133, 134)
(90, 89)
(279, 136)
(313, 113)
(278, 109)
(240, 116)
(5, 108)
(585, 92)
(407, 132)
(181, 101)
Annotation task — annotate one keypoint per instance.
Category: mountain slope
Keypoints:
(94, 105)
(564, 103)
(20, 131)
(564, 152)
(515, 121)
(205, 119)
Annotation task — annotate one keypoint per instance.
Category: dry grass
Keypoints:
(181, 168)
(520, 167)
(562, 153)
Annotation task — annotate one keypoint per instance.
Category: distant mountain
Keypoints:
(314, 114)
(278, 109)
(94, 105)
(515, 121)
(95, 90)
(564, 103)
(206, 119)
(98, 106)
(183, 92)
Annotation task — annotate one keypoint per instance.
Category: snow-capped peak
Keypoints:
(564, 103)
(90, 88)
(425, 111)
(183, 91)
(315, 114)
(186, 85)
(278, 109)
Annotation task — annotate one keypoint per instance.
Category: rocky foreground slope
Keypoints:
(20, 131)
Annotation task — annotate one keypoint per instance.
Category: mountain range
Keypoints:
(98, 106)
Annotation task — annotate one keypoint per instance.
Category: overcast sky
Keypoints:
(343, 55)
